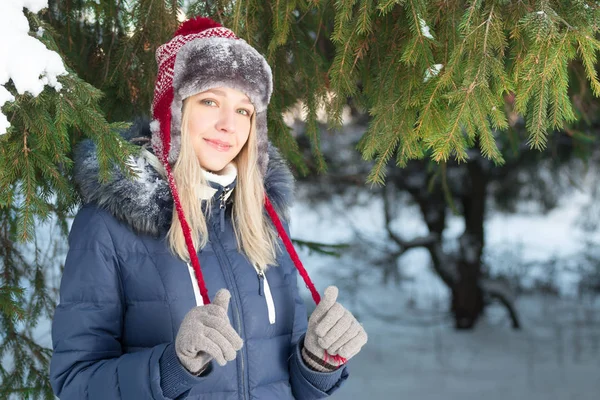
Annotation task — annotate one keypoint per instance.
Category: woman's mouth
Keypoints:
(218, 145)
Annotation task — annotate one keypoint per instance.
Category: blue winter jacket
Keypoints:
(123, 297)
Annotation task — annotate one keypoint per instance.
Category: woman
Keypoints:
(135, 320)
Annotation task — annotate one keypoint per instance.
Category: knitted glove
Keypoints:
(333, 335)
(206, 333)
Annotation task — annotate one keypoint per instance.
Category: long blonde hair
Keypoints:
(255, 235)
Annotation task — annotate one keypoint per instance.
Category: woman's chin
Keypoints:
(214, 167)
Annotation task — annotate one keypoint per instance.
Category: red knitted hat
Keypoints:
(202, 55)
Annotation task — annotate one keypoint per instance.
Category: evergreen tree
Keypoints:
(433, 76)
(36, 187)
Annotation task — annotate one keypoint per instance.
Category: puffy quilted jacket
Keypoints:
(123, 297)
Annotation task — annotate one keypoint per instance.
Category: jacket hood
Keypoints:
(145, 202)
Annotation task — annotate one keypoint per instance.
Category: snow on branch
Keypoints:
(24, 59)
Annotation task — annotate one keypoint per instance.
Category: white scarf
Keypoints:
(224, 178)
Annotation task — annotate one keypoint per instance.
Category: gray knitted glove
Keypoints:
(333, 334)
(206, 333)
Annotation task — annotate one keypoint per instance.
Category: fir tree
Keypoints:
(433, 76)
(36, 187)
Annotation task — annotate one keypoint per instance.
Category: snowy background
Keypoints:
(413, 349)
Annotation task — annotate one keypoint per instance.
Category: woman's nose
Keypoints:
(226, 121)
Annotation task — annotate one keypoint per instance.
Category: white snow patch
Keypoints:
(24, 59)
(425, 28)
(181, 17)
(138, 165)
(432, 71)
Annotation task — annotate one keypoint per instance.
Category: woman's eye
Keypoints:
(208, 102)
(244, 112)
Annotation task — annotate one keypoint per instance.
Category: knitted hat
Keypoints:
(204, 55)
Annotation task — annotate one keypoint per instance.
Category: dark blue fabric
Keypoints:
(123, 297)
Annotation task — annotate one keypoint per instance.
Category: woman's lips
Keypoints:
(218, 145)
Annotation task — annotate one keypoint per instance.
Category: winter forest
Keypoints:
(447, 164)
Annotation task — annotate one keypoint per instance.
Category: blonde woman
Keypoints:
(182, 283)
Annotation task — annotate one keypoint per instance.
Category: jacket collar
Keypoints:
(145, 203)
(217, 182)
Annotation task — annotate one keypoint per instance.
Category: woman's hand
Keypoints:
(333, 335)
(206, 333)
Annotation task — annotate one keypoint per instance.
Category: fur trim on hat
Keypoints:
(204, 64)
(203, 55)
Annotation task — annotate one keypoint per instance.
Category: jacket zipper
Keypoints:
(236, 309)
(223, 206)
(265, 290)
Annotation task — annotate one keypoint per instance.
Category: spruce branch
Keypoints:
(386, 6)
(364, 22)
(588, 48)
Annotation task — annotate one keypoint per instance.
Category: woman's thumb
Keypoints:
(327, 301)
(222, 299)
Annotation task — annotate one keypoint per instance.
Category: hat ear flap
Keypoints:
(262, 141)
(161, 126)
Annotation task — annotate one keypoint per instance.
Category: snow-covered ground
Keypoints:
(414, 352)
(555, 357)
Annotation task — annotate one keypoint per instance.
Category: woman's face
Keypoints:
(219, 125)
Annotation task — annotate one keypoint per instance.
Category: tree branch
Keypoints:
(499, 290)
(424, 241)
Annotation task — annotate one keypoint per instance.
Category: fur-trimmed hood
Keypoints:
(145, 202)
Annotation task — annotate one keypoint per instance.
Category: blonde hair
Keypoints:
(255, 235)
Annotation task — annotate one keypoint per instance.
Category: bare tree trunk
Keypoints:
(433, 208)
(467, 295)
(465, 185)
(461, 272)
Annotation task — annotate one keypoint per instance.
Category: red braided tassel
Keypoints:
(162, 113)
(291, 250)
(337, 359)
(188, 236)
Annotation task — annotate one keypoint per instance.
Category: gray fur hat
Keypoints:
(204, 55)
